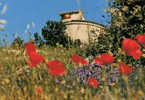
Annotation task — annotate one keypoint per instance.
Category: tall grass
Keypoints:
(19, 81)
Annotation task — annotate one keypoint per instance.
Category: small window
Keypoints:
(66, 16)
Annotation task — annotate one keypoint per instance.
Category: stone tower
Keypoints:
(78, 28)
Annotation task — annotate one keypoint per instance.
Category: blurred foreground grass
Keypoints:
(18, 81)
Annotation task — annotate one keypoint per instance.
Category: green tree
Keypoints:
(127, 20)
(54, 32)
(127, 17)
(17, 43)
(38, 40)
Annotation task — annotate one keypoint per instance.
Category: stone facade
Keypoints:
(78, 28)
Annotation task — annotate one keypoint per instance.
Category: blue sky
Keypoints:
(22, 12)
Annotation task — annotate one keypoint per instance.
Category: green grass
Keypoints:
(18, 81)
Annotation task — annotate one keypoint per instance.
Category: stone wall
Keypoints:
(83, 30)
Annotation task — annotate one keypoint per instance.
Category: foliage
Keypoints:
(127, 20)
(101, 46)
(17, 43)
(38, 40)
(54, 32)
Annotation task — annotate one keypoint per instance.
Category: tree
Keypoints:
(18, 43)
(127, 17)
(54, 32)
(127, 20)
(38, 40)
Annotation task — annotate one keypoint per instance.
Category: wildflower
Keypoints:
(39, 90)
(98, 61)
(30, 47)
(84, 62)
(94, 82)
(107, 58)
(77, 59)
(124, 69)
(141, 39)
(129, 45)
(35, 59)
(132, 48)
(135, 54)
(84, 73)
(56, 67)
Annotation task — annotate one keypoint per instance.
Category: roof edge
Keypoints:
(86, 21)
(72, 12)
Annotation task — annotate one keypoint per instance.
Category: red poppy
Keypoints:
(93, 82)
(98, 61)
(35, 59)
(107, 58)
(129, 45)
(84, 62)
(141, 39)
(30, 47)
(77, 59)
(135, 54)
(124, 69)
(132, 48)
(39, 90)
(56, 67)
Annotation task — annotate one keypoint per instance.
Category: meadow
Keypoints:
(114, 69)
(19, 81)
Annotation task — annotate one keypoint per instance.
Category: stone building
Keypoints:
(78, 28)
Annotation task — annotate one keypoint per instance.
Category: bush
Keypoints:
(17, 43)
(54, 32)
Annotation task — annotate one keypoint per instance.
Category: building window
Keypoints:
(66, 16)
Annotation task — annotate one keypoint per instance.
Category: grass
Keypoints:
(19, 81)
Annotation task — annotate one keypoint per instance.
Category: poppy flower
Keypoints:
(135, 54)
(129, 45)
(98, 61)
(132, 48)
(141, 39)
(30, 47)
(124, 69)
(84, 62)
(93, 82)
(107, 58)
(35, 59)
(77, 59)
(56, 67)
